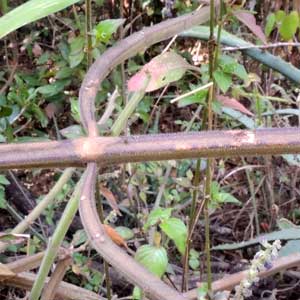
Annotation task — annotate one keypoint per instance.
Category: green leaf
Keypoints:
(289, 25)
(3, 180)
(154, 259)
(2, 199)
(53, 89)
(64, 73)
(280, 15)
(202, 291)
(176, 230)
(198, 98)
(75, 109)
(162, 70)
(194, 259)
(105, 29)
(29, 12)
(227, 198)
(76, 54)
(72, 132)
(5, 111)
(223, 80)
(137, 293)
(270, 24)
(79, 237)
(125, 232)
(156, 216)
(227, 63)
(240, 72)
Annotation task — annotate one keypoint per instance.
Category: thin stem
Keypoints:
(101, 217)
(192, 219)
(4, 6)
(55, 242)
(47, 200)
(88, 30)
(209, 126)
(253, 198)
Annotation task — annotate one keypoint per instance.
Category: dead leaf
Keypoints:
(109, 196)
(249, 20)
(37, 50)
(51, 110)
(162, 70)
(234, 104)
(114, 235)
(5, 272)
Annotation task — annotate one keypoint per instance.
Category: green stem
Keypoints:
(253, 198)
(55, 242)
(209, 166)
(192, 220)
(130, 107)
(47, 200)
(88, 30)
(4, 6)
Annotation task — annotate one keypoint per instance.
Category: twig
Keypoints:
(55, 242)
(109, 107)
(230, 281)
(206, 86)
(10, 79)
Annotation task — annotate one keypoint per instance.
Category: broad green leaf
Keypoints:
(157, 215)
(72, 132)
(76, 54)
(194, 259)
(198, 98)
(227, 198)
(137, 293)
(53, 89)
(79, 237)
(223, 80)
(5, 111)
(202, 291)
(154, 259)
(64, 73)
(280, 15)
(106, 28)
(270, 24)
(229, 65)
(75, 109)
(3, 180)
(125, 232)
(2, 198)
(162, 69)
(176, 230)
(289, 25)
(241, 72)
(29, 12)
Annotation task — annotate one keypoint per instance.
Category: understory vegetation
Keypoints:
(191, 222)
